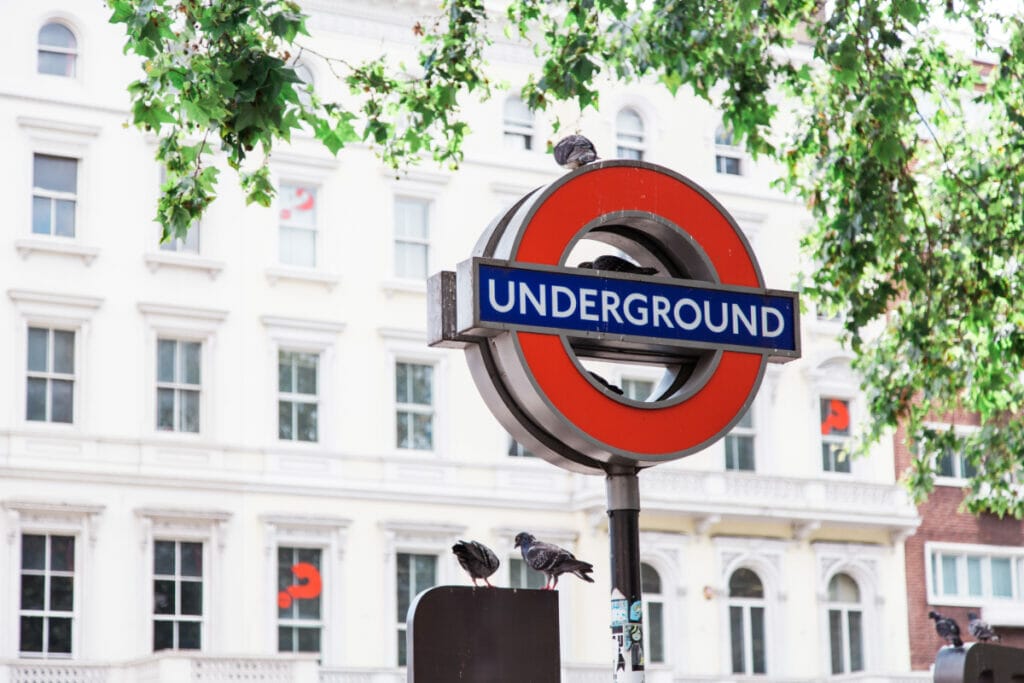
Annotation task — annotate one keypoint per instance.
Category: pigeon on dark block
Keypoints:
(617, 265)
(980, 629)
(947, 629)
(551, 560)
(605, 383)
(574, 151)
(478, 560)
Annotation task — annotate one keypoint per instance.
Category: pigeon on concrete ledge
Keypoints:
(947, 629)
(551, 560)
(478, 560)
(981, 631)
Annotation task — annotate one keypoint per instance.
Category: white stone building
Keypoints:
(180, 424)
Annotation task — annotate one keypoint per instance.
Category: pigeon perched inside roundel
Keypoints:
(617, 265)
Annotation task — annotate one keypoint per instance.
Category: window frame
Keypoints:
(47, 613)
(726, 150)
(57, 195)
(741, 431)
(299, 622)
(56, 311)
(521, 129)
(205, 526)
(766, 558)
(863, 563)
(75, 52)
(963, 551)
(746, 605)
(413, 409)
(50, 375)
(330, 536)
(838, 439)
(62, 139)
(958, 459)
(317, 229)
(844, 609)
(420, 539)
(421, 185)
(302, 335)
(630, 141)
(288, 167)
(409, 346)
(295, 397)
(178, 385)
(402, 627)
(181, 323)
(427, 242)
(178, 579)
(57, 518)
(660, 599)
(831, 376)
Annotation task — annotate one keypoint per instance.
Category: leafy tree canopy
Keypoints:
(907, 151)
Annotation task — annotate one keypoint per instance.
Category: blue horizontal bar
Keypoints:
(690, 314)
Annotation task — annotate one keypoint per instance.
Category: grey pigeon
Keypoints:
(478, 560)
(947, 629)
(574, 151)
(551, 560)
(617, 265)
(980, 629)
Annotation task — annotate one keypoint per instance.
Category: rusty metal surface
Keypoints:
(483, 635)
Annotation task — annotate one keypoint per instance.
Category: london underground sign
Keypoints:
(529, 317)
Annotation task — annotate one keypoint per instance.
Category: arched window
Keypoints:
(747, 622)
(654, 614)
(727, 154)
(58, 50)
(629, 134)
(518, 124)
(845, 625)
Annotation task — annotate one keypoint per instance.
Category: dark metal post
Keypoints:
(627, 608)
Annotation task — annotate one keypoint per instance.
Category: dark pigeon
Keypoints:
(606, 384)
(551, 560)
(947, 629)
(981, 631)
(617, 265)
(574, 151)
(478, 560)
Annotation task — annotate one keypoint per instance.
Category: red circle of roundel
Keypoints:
(684, 426)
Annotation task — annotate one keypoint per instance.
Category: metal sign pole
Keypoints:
(627, 608)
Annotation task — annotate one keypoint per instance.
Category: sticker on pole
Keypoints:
(675, 291)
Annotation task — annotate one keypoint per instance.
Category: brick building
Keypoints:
(957, 562)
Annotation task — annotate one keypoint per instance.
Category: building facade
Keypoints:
(191, 430)
(959, 563)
